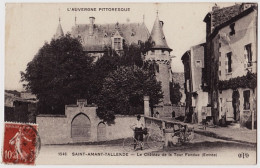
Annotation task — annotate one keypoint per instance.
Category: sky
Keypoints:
(28, 26)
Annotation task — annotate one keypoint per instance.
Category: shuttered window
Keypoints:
(248, 55)
(228, 62)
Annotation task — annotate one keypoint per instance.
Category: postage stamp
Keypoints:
(20, 143)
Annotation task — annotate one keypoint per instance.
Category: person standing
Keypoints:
(138, 131)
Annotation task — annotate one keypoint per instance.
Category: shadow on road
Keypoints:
(214, 135)
(206, 145)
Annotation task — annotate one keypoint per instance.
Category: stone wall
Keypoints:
(166, 111)
(121, 128)
(53, 129)
(57, 129)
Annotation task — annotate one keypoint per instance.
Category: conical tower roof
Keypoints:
(157, 36)
(59, 32)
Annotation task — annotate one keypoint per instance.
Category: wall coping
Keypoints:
(119, 115)
(52, 115)
(166, 121)
(74, 105)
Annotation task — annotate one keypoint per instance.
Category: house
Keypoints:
(27, 95)
(20, 107)
(97, 38)
(196, 97)
(229, 74)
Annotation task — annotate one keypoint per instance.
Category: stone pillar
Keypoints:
(146, 106)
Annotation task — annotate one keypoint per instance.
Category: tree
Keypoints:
(175, 94)
(104, 65)
(132, 55)
(59, 74)
(123, 91)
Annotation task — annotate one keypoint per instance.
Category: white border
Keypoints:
(2, 51)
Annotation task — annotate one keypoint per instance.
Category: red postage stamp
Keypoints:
(20, 143)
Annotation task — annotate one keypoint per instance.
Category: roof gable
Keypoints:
(104, 32)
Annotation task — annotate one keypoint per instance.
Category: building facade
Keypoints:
(97, 38)
(160, 54)
(20, 107)
(196, 98)
(231, 55)
(81, 124)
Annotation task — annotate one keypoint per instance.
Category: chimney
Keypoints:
(91, 26)
(215, 7)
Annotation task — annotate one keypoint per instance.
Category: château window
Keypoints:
(246, 95)
(221, 104)
(198, 64)
(229, 62)
(232, 29)
(117, 43)
(248, 55)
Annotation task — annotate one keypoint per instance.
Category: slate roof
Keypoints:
(59, 32)
(131, 32)
(242, 13)
(157, 36)
(224, 14)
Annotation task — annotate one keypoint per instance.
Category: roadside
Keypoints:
(240, 135)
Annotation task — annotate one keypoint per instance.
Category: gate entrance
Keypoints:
(80, 127)
(236, 104)
(101, 132)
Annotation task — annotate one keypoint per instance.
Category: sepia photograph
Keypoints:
(130, 83)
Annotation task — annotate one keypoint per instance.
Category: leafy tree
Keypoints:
(132, 55)
(104, 65)
(123, 91)
(59, 74)
(175, 94)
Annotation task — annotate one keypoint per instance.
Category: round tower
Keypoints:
(160, 53)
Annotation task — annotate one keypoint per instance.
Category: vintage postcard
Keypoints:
(130, 83)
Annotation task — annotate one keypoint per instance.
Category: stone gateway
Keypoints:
(81, 124)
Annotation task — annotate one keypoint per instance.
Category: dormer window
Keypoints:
(232, 29)
(105, 35)
(133, 33)
(117, 43)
